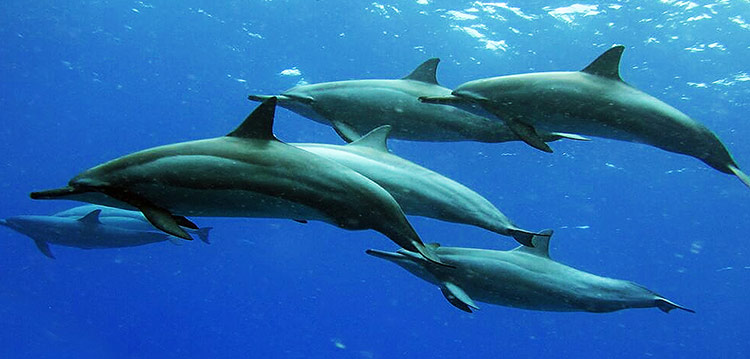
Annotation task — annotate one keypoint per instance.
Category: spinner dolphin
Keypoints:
(595, 102)
(247, 173)
(355, 107)
(525, 278)
(418, 190)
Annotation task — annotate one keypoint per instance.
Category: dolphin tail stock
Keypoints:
(741, 175)
(203, 234)
(666, 305)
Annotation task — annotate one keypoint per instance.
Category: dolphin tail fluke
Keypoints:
(203, 234)
(429, 254)
(523, 237)
(666, 305)
(741, 175)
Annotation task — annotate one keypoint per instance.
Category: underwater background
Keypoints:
(83, 82)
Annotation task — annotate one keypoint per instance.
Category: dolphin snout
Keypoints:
(55, 193)
(259, 98)
(16, 222)
(383, 254)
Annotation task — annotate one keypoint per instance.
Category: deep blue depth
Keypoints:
(82, 82)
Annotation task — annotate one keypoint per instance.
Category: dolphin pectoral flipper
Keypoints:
(44, 248)
(163, 220)
(526, 133)
(666, 305)
(741, 175)
(346, 132)
(456, 296)
(184, 222)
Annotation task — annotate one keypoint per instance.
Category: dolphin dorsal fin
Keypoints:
(426, 72)
(541, 244)
(376, 139)
(92, 217)
(607, 64)
(259, 124)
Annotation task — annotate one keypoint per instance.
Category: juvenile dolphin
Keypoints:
(418, 190)
(594, 101)
(355, 107)
(247, 173)
(526, 278)
(126, 219)
(88, 231)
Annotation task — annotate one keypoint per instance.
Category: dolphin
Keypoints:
(526, 278)
(123, 218)
(88, 231)
(418, 190)
(594, 101)
(247, 173)
(355, 107)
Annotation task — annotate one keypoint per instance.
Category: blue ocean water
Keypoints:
(82, 82)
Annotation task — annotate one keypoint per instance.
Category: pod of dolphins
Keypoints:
(146, 196)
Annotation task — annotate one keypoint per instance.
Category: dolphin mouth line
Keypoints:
(442, 99)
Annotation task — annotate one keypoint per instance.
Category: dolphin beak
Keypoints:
(391, 256)
(4, 223)
(56, 193)
(280, 98)
(259, 98)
